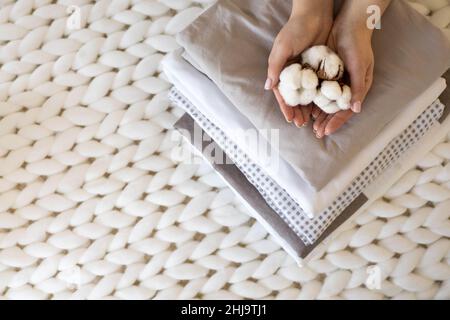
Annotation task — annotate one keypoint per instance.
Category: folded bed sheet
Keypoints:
(230, 44)
(310, 230)
(211, 102)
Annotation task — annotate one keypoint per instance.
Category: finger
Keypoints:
(315, 112)
(369, 80)
(322, 116)
(307, 113)
(321, 131)
(298, 119)
(358, 87)
(337, 121)
(277, 60)
(357, 102)
(287, 111)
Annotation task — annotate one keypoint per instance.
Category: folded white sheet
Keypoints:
(215, 106)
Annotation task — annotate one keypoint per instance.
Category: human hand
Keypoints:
(309, 25)
(351, 39)
(353, 44)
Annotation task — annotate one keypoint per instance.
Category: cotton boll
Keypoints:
(325, 62)
(331, 68)
(331, 108)
(313, 56)
(343, 104)
(309, 79)
(331, 90)
(346, 93)
(290, 96)
(292, 76)
(307, 96)
(320, 100)
(315, 80)
(344, 101)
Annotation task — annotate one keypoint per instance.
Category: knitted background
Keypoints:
(95, 203)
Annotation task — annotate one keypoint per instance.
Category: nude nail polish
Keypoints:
(268, 84)
(357, 107)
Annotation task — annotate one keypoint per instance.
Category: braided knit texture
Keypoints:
(95, 203)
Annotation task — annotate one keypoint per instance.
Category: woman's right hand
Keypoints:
(309, 25)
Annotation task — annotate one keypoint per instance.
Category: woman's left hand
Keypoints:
(353, 43)
(351, 38)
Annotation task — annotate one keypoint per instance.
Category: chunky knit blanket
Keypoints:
(95, 203)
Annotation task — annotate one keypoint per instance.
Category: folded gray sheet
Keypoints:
(231, 43)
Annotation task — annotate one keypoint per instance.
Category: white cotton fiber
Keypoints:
(316, 81)
(331, 108)
(307, 96)
(325, 62)
(292, 76)
(309, 79)
(291, 96)
(331, 89)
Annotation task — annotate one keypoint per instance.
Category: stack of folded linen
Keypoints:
(300, 188)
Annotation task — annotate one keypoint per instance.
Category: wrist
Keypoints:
(355, 15)
(318, 9)
(356, 24)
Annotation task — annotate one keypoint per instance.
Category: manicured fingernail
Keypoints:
(268, 84)
(357, 107)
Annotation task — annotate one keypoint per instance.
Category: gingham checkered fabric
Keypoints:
(309, 230)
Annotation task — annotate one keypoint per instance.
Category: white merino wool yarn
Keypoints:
(316, 81)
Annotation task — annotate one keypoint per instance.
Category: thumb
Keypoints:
(277, 61)
(358, 87)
